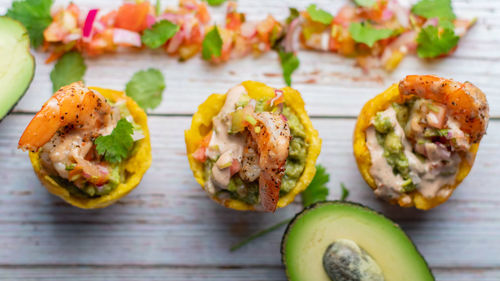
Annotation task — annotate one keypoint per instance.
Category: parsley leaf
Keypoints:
(294, 13)
(345, 192)
(434, 9)
(433, 43)
(365, 3)
(317, 190)
(319, 15)
(159, 33)
(215, 2)
(116, 146)
(146, 88)
(367, 34)
(68, 69)
(34, 15)
(212, 44)
(289, 63)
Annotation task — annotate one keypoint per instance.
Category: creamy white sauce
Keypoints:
(223, 142)
(427, 175)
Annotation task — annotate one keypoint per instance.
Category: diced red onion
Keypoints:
(71, 37)
(175, 42)
(150, 20)
(248, 29)
(432, 21)
(291, 40)
(277, 94)
(170, 17)
(387, 15)
(126, 37)
(89, 23)
(284, 118)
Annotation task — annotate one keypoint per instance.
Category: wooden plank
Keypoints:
(125, 273)
(331, 85)
(168, 220)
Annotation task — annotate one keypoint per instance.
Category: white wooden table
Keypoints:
(167, 229)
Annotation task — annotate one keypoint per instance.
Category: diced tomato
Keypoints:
(202, 13)
(133, 16)
(100, 43)
(109, 19)
(436, 115)
(345, 16)
(200, 154)
(234, 20)
(235, 167)
(265, 27)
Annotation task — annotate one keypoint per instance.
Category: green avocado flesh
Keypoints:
(315, 229)
(17, 65)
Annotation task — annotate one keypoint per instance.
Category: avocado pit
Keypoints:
(344, 260)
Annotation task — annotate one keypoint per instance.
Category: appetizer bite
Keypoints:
(338, 240)
(88, 146)
(253, 148)
(417, 141)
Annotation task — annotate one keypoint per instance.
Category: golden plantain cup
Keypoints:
(135, 166)
(362, 154)
(201, 125)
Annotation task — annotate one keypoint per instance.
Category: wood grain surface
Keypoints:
(167, 229)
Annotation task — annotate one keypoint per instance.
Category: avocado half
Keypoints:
(17, 65)
(313, 230)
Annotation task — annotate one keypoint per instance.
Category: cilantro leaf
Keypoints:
(289, 63)
(319, 15)
(345, 192)
(365, 3)
(34, 15)
(317, 190)
(433, 43)
(146, 88)
(212, 44)
(68, 69)
(434, 9)
(367, 34)
(294, 13)
(159, 33)
(215, 2)
(116, 146)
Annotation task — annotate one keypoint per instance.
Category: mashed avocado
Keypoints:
(393, 147)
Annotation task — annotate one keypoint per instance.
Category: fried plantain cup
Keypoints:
(201, 126)
(363, 158)
(135, 165)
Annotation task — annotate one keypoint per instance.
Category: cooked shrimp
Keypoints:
(464, 101)
(73, 106)
(250, 169)
(273, 139)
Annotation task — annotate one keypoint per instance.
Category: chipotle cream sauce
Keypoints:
(426, 175)
(222, 142)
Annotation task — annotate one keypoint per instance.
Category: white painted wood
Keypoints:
(330, 84)
(168, 220)
(167, 229)
(128, 273)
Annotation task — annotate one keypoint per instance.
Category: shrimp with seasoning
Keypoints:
(464, 101)
(273, 140)
(64, 130)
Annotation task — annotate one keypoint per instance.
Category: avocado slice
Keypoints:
(344, 241)
(17, 65)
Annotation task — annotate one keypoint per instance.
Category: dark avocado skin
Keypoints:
(21, 95)
(322, 203)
